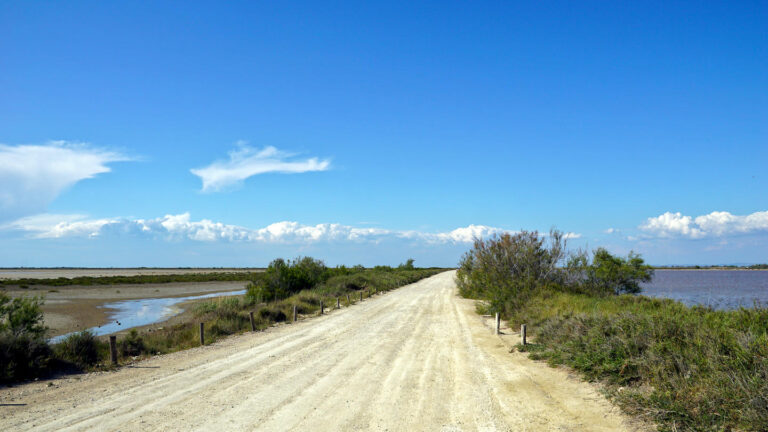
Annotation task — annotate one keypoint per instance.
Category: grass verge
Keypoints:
(686, 368)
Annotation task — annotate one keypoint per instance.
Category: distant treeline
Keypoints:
(137, 279)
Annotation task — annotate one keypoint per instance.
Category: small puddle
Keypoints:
(127, 314)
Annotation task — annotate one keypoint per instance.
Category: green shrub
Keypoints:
(689, 368)
(507, 269)
(132, 345)
(23, 357)
(21, 316)
(24, 352)
(272, 314)
(80, 349)
(283, 278)
(608, 274)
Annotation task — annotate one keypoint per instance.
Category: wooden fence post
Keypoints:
(348, 303)
(338, 303)
(113, 349)
(361, 295)
(202, 333)
(253, 323)
(522, 334)
(321, 307)
(498, 323)
(294, 313)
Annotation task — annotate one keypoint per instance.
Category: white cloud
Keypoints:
(54, 226)
(611, 231)
(715, 224)
(459, 235)
(245, 162)
(181, 226)
(31, 176)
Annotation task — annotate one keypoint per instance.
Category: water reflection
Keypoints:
(719, 289)
(127, 314)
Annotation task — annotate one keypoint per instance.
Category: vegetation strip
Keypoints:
(686, 368)
(137, 279)
(300, 285)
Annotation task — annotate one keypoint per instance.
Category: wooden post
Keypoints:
(361, 295)
(498, 323)
(294, 313)
(113, 349)
(253, 323)
(338, 303)
(348, 303)
(321, 307)
(202, 333)
(522, 334)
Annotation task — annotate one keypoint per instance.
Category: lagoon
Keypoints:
(719, 289)
(127, 314)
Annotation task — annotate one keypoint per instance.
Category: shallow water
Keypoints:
(128, 314)
(719, 289)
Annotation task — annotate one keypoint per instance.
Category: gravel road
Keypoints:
(417, 358)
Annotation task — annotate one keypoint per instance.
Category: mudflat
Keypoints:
(54, 273)
(415, 359)
(74, 308)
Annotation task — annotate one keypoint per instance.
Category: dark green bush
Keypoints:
(24, 352)
(132, 345)
(283, 278)
(80, 349)
(507, 269)
(21, 316)
(23, 357)
(272, 314)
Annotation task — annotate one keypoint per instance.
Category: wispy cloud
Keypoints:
(245, 162)
(182, 227)
(31, 176)
(715, 224)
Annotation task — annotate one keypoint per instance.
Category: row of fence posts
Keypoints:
(113, 345)
(113, 338)
(523, 330)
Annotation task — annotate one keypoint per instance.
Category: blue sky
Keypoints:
(212, 134)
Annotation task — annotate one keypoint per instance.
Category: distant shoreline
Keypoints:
(712, 268)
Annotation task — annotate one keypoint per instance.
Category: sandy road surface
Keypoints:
(418, 358)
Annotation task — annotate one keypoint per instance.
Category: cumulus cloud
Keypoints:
(715, 224)
(181, 227)
(459, 235)
(55, 226)
(245, 162)
(32, 176)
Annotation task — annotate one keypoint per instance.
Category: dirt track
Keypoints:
(418, 358)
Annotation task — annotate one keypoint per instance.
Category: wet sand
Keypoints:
(75, 308)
